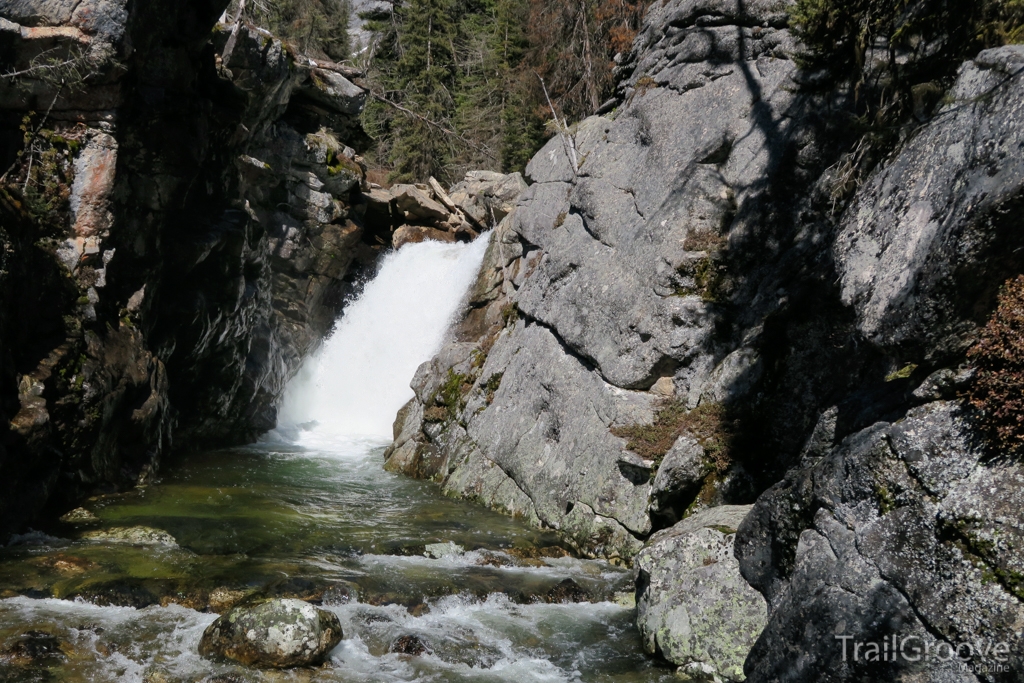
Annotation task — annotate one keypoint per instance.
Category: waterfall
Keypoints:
(357, 382)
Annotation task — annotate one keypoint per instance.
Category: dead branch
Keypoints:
(434, 124)
(568, 142)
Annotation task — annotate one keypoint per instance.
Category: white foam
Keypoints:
(360, 379)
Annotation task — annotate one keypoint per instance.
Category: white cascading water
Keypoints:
(325, 507)
(360, 378)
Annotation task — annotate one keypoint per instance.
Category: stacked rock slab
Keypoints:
(189, 233)
(427, 212)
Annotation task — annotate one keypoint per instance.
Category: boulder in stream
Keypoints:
(409, 645)
(440, 551)
(567, 591)
(132, 535)
(277, 634)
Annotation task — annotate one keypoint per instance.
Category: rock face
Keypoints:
(708, 259)
(901, 529)
(278, 634)
(693, 606)
(192, 220)
(595, 289)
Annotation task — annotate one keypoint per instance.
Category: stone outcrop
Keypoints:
(693, 606)
(183, 233)
(902, 529)
(277, 634)
(908, 527)
(711, 258)
(427, 212)
(596, 289)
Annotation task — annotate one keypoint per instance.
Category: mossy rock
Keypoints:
(276, 634)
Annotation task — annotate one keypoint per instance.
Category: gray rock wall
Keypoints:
(597, 286)
(205, 223)
(909, 527)
(705, 256)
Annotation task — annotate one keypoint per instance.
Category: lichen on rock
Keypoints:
(693, 605)
(277, 634)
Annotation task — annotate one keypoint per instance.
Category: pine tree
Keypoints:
(494, 109)
(456, 81)
(315, 27)
(415, 69)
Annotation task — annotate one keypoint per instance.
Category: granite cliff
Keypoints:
(184, 225)
(706, 296)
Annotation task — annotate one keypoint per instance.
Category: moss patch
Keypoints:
(708, 423)
(903, 373)
(449, 399)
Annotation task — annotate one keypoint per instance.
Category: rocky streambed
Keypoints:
(424, 587)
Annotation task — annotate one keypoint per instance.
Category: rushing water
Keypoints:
(310, 513)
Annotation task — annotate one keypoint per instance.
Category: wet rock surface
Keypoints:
(409, 645)
(275, 634)
(567, 591)
(135, 535)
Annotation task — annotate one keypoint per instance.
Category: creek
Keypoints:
(309, 512)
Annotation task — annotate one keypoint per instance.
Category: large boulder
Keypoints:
(417, 205)
(693, 606)
(332, 89)
(415, 234)
(277, 634)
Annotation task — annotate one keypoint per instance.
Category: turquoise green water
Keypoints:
(322, 522)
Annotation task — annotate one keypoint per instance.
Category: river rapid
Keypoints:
(427, 588)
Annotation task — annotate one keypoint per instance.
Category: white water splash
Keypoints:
(360, 379)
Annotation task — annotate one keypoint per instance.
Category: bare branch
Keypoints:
(434, 124)
(568, 142)
(67, 72)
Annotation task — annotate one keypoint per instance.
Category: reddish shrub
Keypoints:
(998, 388)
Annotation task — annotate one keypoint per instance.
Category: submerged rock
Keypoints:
(134, 535)
(79, 516)
(409, 645)
(567, 591)
(35, 648)
(440, 551)
(277, 634)
(693, 607)
(118, 592)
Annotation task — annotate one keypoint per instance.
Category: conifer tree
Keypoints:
(415, 69)
(456, 81)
